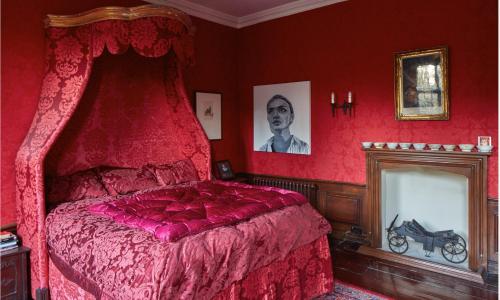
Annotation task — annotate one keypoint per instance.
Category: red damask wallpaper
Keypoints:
(215, 71)
(347, 46)
(22, 74)
(350, 46)
(22, 70)
(124, 110)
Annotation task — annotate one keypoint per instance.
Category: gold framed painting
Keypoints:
(421, 84)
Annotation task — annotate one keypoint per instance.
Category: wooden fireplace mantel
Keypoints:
(428, 152)
(472, 165)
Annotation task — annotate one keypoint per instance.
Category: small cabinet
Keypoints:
(14, 274)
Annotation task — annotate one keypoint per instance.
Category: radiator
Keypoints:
(309, 190)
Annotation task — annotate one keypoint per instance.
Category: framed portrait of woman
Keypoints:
(282, 118)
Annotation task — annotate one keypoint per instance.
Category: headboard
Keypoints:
(73, 44)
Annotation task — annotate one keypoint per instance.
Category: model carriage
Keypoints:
(453, 246)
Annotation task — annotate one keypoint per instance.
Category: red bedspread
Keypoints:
(178, 211)
(108, 258)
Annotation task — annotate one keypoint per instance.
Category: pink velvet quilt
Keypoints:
(177, 211)
(114, 259)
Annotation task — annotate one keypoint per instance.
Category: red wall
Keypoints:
(22, 71)
(346, 46)
(129, 107)
(215, 71)
(351, 46)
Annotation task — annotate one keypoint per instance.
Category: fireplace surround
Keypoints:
(472, 165)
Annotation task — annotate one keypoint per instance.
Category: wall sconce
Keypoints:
(346, 106)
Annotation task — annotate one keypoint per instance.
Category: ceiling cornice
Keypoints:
(283, 10)
(216, 16)
(200, 11)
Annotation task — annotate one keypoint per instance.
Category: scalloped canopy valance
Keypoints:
(152, 31)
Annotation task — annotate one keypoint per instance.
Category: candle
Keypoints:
(333, 98)
(349, 97)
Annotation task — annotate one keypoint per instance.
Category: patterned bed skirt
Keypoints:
(303, 274)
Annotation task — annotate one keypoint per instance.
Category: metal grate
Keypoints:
(309, 190)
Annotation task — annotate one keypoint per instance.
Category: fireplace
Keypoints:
(437, 201)
(440, 190)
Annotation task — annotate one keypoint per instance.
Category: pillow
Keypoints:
(76, 186)
(178, 172)
(123, 181)
(184, 171)
(163, 174)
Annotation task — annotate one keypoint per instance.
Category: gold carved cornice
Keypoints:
(118, 13)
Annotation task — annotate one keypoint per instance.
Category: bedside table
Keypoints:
(14, 273)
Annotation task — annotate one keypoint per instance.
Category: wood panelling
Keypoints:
(402, 282)
(339, 202)
(341, 208)
(422, 264)
(345, 204)
(493, 236)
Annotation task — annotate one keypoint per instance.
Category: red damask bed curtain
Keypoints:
(73, 43)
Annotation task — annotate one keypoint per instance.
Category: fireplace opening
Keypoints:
(437, 201)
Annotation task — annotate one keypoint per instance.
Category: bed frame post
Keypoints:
(42, 294)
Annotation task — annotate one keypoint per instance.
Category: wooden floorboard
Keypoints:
(404, 282)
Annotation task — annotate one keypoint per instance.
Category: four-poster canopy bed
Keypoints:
(114, 196)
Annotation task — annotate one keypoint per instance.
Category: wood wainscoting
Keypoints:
(345, 205)
(493, 236)
(339, 202)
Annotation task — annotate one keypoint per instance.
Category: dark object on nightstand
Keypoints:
(353, 239)
(224, 170)
(14, 273)
(356, 230)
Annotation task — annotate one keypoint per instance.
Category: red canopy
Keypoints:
(73, 42)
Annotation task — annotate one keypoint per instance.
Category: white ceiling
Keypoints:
(242, 13)
(240, 8)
